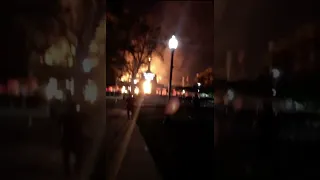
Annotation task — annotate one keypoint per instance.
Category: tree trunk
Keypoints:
(132, 85)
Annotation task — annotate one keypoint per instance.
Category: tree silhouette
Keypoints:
(68, 25)
(135, 40)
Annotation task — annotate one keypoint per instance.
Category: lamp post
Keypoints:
(173, 44)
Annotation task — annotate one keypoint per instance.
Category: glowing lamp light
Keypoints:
(173, 43)
(147, 87)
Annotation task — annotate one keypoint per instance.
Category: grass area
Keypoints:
(258, 151)
(182, 148)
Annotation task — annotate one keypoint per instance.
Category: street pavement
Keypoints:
(127, 153)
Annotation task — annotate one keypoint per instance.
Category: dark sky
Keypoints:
(238, 24)
(192, 23)
(249, 25)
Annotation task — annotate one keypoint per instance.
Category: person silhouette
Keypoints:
(130, 105)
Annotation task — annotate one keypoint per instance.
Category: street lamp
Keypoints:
(173, 44)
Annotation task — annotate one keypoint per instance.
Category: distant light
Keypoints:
(275, 73)
(173, 43)
(136, 90)
(230, 94)
(199, 84)
(274, 92)
(183, 91)
(123, 89)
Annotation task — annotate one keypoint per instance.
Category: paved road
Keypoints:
(182, 148)
(127, 153)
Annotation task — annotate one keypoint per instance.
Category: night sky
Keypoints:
(192, 23)
(206, 32)
(249, 25)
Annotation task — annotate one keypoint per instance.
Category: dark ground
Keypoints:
(287, 147)
(250, 145)
(29, 153)
(183, 147)
(35, 152)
